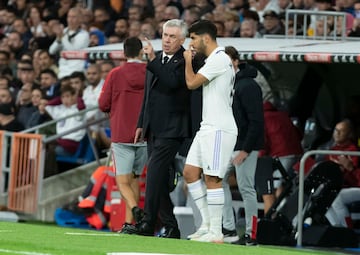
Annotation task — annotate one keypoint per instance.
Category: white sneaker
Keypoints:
(200, 232)
(210, 237)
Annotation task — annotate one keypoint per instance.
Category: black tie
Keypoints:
(165, 60)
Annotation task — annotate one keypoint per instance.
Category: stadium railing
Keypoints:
(25, 172)
(22, 162)
(300, 220)
(314, 16)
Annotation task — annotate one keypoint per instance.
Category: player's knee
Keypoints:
(191, 174)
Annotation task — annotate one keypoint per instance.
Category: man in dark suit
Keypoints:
(165, 122)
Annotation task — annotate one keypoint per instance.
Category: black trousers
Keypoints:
(161, 152)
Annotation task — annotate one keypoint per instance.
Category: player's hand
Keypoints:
(188, 55)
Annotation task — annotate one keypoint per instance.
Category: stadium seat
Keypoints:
(83, 155)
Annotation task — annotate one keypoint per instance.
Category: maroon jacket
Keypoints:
(122, 96)
(282, 138)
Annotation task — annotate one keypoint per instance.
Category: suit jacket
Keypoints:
(166, 106)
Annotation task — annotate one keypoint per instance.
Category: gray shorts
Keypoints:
(129, 158)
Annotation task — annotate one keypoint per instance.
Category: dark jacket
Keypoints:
(166, 106)
(248, 110)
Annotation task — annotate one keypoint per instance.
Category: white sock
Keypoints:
(216, 203)
(197, 190)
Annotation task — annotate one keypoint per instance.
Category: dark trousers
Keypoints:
(161, 152)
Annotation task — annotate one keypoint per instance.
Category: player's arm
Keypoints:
(193, 80)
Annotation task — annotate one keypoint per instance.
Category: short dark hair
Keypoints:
(202, 27)
(67, 88)
(6, 53)
(232, 52)
(78, 74)
(49, 71)
(132, 47)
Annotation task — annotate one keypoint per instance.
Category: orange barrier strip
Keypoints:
(25, 172)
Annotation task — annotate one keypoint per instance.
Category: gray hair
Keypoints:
(177, 23)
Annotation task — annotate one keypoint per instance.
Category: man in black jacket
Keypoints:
(249, 117)
(165, 122)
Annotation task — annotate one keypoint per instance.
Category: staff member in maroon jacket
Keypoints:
(122, 96)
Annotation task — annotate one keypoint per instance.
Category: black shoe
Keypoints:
(170, 232)
(246, 240)
(138, 214)
(144, 229)
(230, 236)
(128, 228)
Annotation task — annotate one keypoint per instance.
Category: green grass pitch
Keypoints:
(48, 239)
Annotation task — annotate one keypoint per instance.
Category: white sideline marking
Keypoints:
(137, 253)
(90, 234)
(6, 230)
(23, 252)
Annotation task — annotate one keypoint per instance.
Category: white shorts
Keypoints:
(129, 158)
(211, 151)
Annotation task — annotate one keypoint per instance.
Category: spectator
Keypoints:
(338, 214)
(25, 107)
(5, 96)
(232, 24)
(355, 31)
(4, 82)
(284, 5)
(16, 44)
(134, 29)
(134, 13)
(171, 12)
(21, 27)
(8, 120)
(39, 116)
(220, 27)
(121, 97)
(62, 8)
(191, 15)
(272, 24)
(121, 28)
(77, 81)
(147, 30)
(321, 25)
(344, 140)
(102, 17)
(93, 89)
(4, 60)
(35, 22)
(97, 38)
(264, 6)
(87, 18)
(249, 29)
(10, 16)
(46, 61)
(57, 108)
(70, 38)
(106, 67)
(114, 39)
(159, 12)
(49, 83)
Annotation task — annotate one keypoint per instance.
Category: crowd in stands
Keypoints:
(34, 32)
